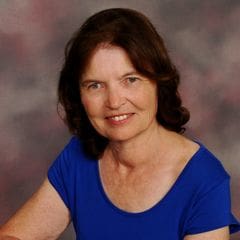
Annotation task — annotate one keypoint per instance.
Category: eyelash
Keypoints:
(132, 79)
(97, 85)
(94, 85)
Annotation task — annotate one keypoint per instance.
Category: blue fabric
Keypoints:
(198, 201)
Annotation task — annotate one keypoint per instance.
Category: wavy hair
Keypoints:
(133, 32)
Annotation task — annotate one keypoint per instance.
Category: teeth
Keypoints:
(119, 118)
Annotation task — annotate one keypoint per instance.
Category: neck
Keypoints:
(144, 150)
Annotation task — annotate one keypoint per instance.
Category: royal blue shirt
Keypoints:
(198, 201)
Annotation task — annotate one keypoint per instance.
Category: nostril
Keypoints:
(115, 100)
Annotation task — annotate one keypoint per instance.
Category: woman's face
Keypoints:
(120, 103)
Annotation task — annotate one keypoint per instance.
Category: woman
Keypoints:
(128, 172)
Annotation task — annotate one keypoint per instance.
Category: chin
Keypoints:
(118, 138)
(122, 136)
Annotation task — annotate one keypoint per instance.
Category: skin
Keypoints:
(117, 89)
(43, 216)
(121, 104)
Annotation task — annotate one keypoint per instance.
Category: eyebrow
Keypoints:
(129, 73)
(86, 81)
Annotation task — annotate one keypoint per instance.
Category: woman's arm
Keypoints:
(4, 237)
(218, 234)
(43, 216)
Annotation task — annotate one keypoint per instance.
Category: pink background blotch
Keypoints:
(202, 37)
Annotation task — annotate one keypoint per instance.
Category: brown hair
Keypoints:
(133, 32)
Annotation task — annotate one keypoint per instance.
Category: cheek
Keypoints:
(91, 105)
(87, 104)
(147, 100)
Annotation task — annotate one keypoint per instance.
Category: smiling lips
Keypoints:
(119, 118)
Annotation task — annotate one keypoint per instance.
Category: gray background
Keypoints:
(202, 37)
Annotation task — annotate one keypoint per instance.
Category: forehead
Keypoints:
(108, 59)
(107, 52)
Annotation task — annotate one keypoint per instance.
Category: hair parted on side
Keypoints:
(133, 32)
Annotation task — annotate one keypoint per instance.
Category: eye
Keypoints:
(132, 79)
(94, 85)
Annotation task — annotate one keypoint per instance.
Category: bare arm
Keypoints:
(218, 234)
(8, 238)
(43, 216)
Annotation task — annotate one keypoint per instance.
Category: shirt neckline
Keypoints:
(161, 201)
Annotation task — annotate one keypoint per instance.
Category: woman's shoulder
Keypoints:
(206, 187)
(73, 154)
(205, 168)
(73, 144)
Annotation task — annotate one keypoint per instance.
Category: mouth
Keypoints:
(119, 118)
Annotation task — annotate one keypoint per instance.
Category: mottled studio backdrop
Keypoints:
(203, 38)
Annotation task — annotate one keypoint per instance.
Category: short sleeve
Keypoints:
(61, 174)
(212, 210)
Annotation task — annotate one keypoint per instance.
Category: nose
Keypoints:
(115, 99)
